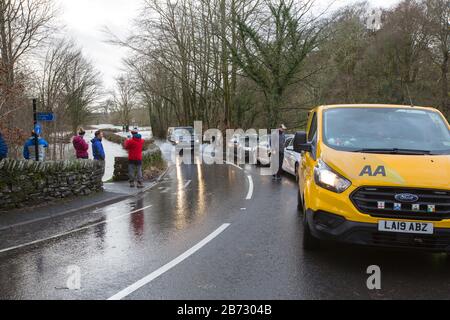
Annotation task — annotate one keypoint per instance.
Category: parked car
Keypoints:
(169, 134)
(292, 159)
(244, 146)
(264, 151)
(183, 137)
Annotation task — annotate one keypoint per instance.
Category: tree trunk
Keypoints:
(225, 78)
(273, 107)
(445, 105)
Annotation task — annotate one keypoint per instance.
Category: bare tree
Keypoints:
(438, 16)
(82, 88)
(24, 24)
(124, 99)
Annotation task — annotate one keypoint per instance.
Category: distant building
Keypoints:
(374, 20)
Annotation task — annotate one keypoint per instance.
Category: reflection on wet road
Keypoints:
(258, 256)
(121, 241)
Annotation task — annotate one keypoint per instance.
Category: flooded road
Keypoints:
(201, 234)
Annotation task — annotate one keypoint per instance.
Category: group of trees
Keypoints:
(69, 87)
(404, 62)
(37, 61)
(257, 63)
(228, 63)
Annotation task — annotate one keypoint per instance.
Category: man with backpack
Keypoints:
(29, 149)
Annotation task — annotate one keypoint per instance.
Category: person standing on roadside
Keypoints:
(29, 149)
(135, 146)
(281, 145)
(3, 148)
(97, 147)
(80, 145)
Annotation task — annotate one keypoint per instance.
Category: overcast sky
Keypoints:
(85, 20)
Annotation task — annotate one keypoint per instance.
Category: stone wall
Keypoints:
(121, 163)
(26, 183)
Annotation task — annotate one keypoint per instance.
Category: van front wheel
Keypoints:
(300, 202)
(310, 243)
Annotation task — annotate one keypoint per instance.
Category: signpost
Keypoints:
(36, 128)
(46, 116)
(43, 117)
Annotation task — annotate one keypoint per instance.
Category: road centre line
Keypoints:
(152, 276)
(73, 231)
(250, 181)
(250, 188)
(234, 165)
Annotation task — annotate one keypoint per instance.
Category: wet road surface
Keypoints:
(196, 236)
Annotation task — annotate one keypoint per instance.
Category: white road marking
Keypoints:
(250, 188)
(165, 190)
(187, 184)
(72, 231)
(250, 180)
(234, 165)
(152, 276)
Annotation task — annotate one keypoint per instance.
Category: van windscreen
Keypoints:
(386, 130)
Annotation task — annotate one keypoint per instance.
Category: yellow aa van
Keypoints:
(376, 175)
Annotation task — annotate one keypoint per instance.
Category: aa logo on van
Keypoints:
(373, 171)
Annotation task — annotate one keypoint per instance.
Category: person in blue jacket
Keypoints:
(29, 149)
(97, 147)
(3, 148)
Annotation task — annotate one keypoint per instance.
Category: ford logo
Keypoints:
(406, 197)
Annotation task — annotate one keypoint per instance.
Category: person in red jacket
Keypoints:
(135, 145)
(80, 145)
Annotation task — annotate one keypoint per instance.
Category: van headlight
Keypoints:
(328, 179)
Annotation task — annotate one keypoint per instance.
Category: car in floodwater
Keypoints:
(376, 175)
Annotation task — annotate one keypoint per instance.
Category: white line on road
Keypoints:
(187, 184)
(152, 276)
(73, 231)
(250, 188)
(250, 181)
(234, 165)
(165, 190)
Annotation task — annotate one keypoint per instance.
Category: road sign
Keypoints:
(46, 116)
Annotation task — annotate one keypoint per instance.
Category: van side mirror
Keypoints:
(301, 143)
